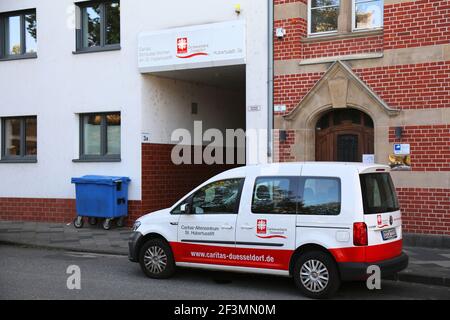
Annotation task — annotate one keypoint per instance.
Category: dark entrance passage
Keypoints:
(344, 135)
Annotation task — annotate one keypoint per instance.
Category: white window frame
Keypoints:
(323, 33)
(354, 29)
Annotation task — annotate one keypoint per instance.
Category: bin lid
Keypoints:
(108, 180)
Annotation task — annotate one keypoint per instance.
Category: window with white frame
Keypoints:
(367, 14)
(323, 16)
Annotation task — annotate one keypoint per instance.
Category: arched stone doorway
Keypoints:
(344, 135)
(338, 89)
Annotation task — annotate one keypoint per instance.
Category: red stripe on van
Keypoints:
(368, 254)
(231, 256)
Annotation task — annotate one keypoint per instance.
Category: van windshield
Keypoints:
(378, 193)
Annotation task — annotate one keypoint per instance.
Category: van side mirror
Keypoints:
(185, 208)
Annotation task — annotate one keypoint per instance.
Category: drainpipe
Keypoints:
(270, 82)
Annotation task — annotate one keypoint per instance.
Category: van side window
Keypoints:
(275, 195)
(218, 197)
(320, 196)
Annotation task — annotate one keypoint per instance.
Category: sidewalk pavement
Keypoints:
(426, 265)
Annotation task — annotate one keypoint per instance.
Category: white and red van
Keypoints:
(321, 223)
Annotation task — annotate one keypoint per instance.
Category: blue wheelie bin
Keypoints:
(101, 197)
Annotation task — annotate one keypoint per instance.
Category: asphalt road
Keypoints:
(41, 274)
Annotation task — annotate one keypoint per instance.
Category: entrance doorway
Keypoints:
(344, 135)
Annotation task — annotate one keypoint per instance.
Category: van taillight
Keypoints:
(360, 234)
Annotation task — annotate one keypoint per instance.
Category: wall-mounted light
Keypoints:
(237, 9)
(283, 135)
(398, 133)
(280, 33)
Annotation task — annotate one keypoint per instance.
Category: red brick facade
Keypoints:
(411, 86)
(47, 210)
(430, 146)
(425, 210)
(163, 182)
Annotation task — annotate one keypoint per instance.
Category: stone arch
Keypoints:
(338, 88)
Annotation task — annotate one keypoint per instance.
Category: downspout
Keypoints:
(270, 82)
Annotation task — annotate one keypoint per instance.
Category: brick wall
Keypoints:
(46, 210)
(416, 23)
(277, 2)
(425, 210)
(290, 47)
(413, 86)
(163, 183)
(342, 47)
(290, 89)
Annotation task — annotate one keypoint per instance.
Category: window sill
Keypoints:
(93, 160)
(98, 49)
(19, 57)
(18, 161)
(340, 36)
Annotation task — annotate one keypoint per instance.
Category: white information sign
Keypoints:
(369, 158)
(402, 149)
(210, 45)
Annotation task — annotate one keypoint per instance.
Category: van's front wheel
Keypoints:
(156, 259)
(316, 275)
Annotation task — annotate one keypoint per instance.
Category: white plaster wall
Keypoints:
(58, 85)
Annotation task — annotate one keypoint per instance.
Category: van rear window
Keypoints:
(378, 193)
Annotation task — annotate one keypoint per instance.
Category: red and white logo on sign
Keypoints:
(261, 226)
(182, 45)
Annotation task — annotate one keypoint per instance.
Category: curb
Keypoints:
(418, 278)
(402, 276)
(71, 249)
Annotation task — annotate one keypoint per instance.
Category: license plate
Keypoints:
(389, 234)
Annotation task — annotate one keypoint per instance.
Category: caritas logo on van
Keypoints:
(261, 226)
(182, 45)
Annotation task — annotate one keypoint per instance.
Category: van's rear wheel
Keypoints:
(316, 275)
(156, 259)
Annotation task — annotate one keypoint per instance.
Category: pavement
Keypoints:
(426, 265)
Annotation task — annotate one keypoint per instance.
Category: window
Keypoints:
(275, 195)
(378, 192)
(219, 197)
(367, 14)
(323, 16)
(18, 35)
(19, 139)
(100, 136)
(320, 196)
(99, 26)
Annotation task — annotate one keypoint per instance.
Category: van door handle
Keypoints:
(246, 227)
(227, 227)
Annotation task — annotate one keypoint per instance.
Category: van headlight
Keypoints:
(136, 225)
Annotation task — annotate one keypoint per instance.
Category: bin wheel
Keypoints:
(120, 222)
(78, 222)
(92, 221)
(107, 224)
